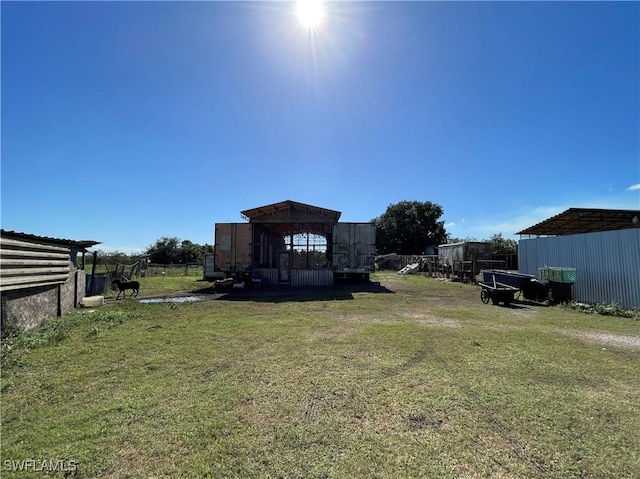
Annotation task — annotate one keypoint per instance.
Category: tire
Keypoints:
(484, 296)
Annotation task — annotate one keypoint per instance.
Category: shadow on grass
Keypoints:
(522, 304)
(285, 293)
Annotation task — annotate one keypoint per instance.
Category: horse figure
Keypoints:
(123, 286)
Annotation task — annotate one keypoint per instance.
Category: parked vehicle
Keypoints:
(353, 250)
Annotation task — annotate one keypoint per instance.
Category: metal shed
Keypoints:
(40, 277)
(603, 246)
(463, 260)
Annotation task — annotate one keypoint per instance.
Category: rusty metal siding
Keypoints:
(607, 263)
(311, 277)
(26, 265)
(233, 247)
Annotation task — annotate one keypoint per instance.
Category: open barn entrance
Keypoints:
(292, 242)
(309, 250)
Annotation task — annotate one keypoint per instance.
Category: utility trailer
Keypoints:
(232, 252)
(353, 250)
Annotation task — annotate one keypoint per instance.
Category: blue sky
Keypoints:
(123, 122)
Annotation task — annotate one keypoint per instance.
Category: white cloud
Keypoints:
(635, 187)
(130, 250)
(449, 224)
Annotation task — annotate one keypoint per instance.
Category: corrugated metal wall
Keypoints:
(299, 277)
(607, 263)
(311, 277)
(27, 265)
(268, 275)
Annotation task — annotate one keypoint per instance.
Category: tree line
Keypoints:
(165, 250)
(405, 228)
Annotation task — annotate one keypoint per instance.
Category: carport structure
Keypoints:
(603, 245)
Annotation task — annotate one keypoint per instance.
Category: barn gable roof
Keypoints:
(289, 216)
(584, 220)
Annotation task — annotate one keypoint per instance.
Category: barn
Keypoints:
(603, 245)
(40, 277)
(292, 243)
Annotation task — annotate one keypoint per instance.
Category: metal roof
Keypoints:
(287, 217)
(72, 244)
(584, 220)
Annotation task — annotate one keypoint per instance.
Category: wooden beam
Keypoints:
(32, 281)
(35, 285)
(31, 271)
(25, 244)
(34, 262)
(32, 254)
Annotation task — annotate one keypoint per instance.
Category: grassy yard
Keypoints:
(174, 281)
(410, 377)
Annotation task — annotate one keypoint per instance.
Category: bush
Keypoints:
(607, 310)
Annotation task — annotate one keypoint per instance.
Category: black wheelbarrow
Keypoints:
(497, 292)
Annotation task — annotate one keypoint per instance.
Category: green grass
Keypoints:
(415, 379)
(175, 281)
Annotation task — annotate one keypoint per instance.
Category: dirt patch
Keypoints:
(420, 421)
(430, 319)
(524, 312)
(629, 342)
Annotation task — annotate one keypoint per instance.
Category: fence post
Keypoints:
(93, 273)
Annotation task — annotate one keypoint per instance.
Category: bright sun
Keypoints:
(310, 12)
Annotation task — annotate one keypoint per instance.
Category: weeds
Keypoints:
(607, 310)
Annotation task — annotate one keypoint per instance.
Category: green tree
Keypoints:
(408, 227)
(468, 239)
(174, 250)
(500, 245)
(113, 257)
(189, 252)
(164, 251)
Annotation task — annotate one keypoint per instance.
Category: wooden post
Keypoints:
(93, 273)
(473, 277)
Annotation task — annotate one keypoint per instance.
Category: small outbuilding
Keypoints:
(603, 245)
(40, 277)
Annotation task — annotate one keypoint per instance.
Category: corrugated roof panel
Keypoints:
(584, 220)
(82, 244)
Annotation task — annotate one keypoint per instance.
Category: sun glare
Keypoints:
(310, 12)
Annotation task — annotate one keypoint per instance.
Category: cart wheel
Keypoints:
(484, 296)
